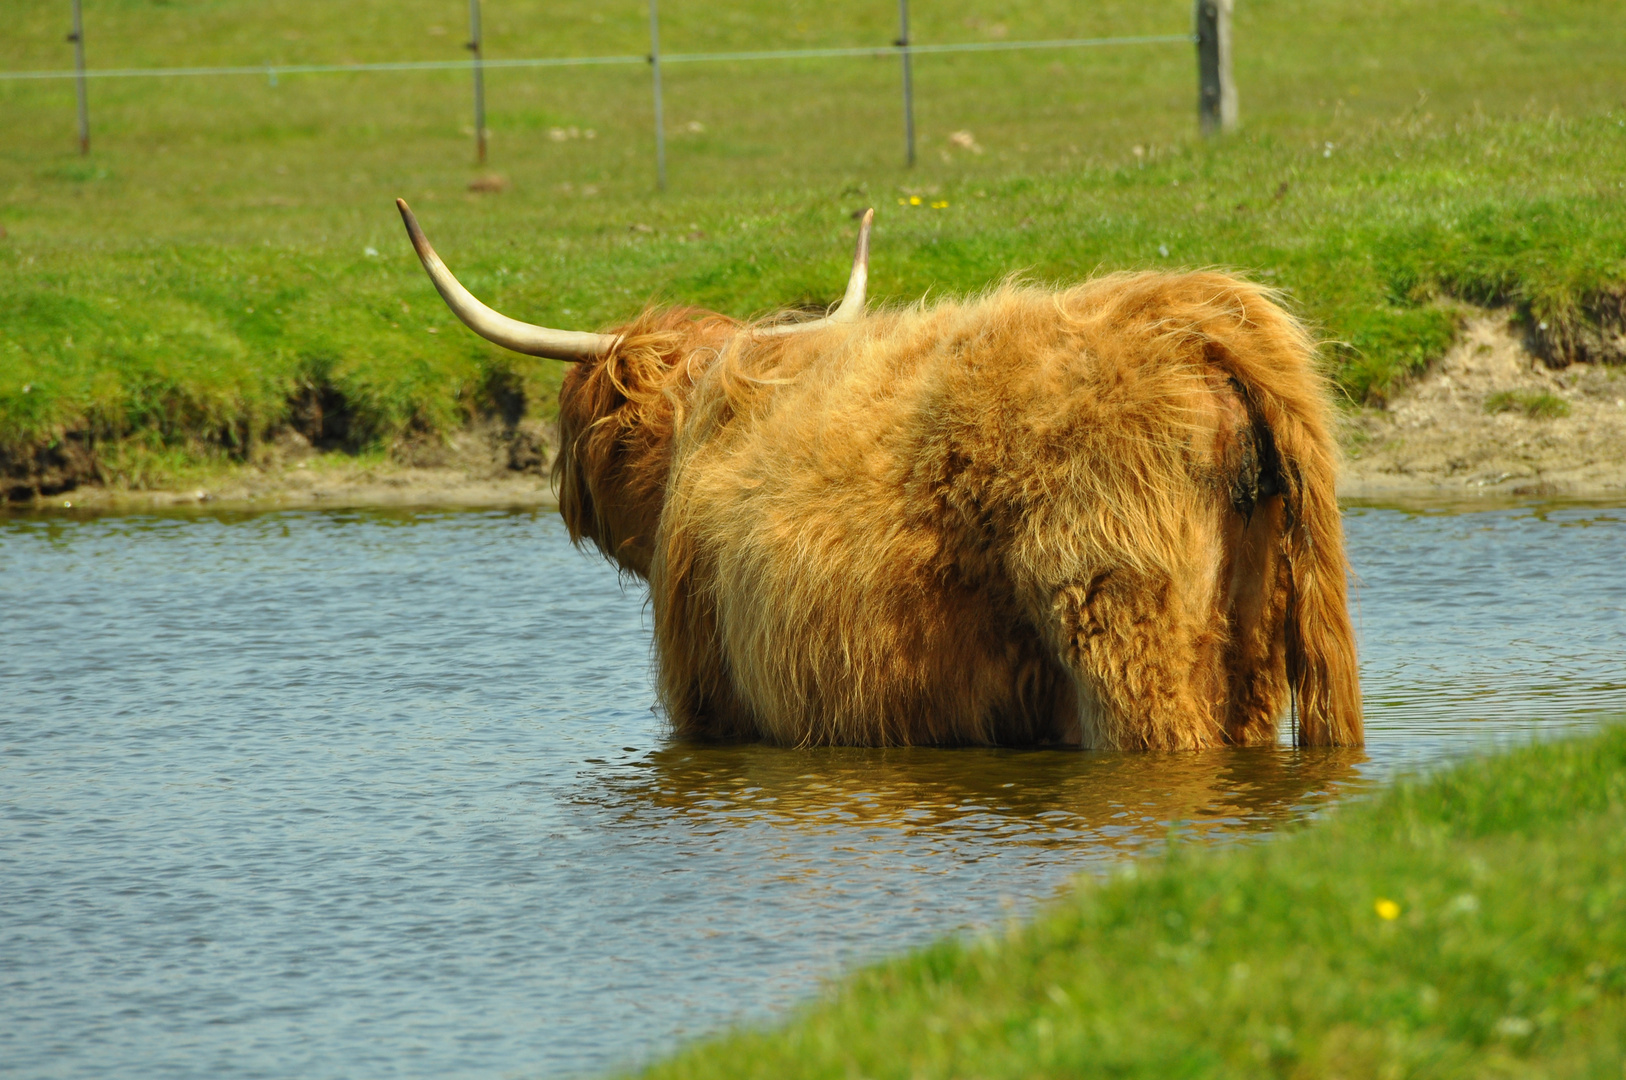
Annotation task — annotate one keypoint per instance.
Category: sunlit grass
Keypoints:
(1536, 405)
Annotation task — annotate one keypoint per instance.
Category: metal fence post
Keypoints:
(908, 81)
(476, 45)
(655, 68)
(1216, 92)
(78, 39)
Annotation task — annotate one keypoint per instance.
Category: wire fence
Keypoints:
(1210, 35)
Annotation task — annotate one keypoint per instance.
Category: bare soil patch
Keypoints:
(1493, 418)
(486, 466)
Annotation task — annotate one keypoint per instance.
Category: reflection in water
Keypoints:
(1101, 806)
(331, 794)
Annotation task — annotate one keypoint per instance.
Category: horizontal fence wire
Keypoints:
(275, 70)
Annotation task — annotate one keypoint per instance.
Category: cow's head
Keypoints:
(620, 405)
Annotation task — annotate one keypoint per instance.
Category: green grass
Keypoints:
(209, 262)
(1469, 925)
(1537, 406)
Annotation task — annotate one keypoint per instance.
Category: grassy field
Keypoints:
(229, 250)
(1472, 925)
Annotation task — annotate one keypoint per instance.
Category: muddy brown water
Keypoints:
(383, 793)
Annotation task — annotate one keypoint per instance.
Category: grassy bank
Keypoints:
(1472, 925)
(227, 263)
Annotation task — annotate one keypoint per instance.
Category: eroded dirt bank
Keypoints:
(1492, 418)
(484, 467)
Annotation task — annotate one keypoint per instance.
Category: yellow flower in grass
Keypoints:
(1387, 910)
(940, 204)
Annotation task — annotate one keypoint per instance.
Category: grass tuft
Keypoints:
(1537, 405)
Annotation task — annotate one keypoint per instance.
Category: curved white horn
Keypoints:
(851, 308)
(572, 345)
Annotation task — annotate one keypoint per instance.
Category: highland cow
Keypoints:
(1099, 516)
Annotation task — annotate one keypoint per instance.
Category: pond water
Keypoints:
(363, 794)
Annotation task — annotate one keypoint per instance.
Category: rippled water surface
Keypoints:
(365, 794)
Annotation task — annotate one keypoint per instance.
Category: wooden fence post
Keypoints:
(78, 39)
(908, 83)
(660, 120)
(1216, 92)
(477, 47)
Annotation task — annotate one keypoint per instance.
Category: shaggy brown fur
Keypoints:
(1101, 517)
